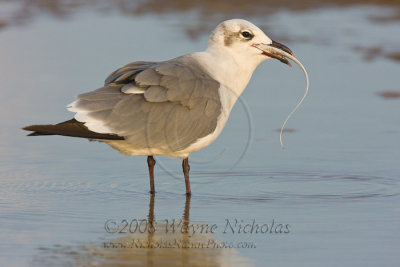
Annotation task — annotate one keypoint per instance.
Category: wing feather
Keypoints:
(177, 104)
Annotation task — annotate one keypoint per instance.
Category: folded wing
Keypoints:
(154, 105)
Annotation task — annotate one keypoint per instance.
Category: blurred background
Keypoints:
(336, 184)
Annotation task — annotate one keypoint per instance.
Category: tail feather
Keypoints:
(72, 128)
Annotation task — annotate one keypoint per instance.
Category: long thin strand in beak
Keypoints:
(280, 54)
(301, 100)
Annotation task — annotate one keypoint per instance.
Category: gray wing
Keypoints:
(165, 106)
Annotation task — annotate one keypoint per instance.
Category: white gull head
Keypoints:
(234, 52)
(237, 38)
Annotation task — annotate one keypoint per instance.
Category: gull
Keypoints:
(174, 107)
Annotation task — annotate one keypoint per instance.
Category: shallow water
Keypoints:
(335, 187)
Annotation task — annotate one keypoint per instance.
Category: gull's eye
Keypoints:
(247, 35)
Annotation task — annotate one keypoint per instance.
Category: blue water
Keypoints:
(336, 184)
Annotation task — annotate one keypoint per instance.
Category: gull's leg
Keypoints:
(151, 162)
(186, 169)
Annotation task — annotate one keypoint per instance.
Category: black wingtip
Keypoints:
(34, 130)
(72, 128)
(37, 134)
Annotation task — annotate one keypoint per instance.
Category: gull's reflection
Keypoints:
(161, 246)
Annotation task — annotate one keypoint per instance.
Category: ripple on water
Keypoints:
(264, 186)
(230, 186)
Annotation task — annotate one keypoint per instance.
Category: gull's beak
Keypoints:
(276, 50)
(281, 47)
